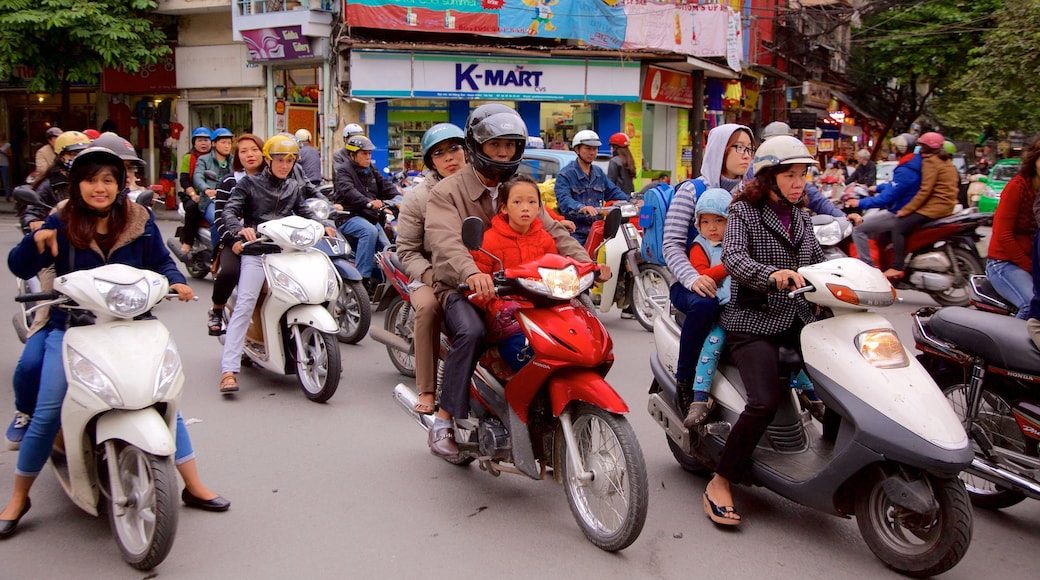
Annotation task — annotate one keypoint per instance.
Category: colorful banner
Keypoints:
(668, 87)
(633, 128)
(691, 29)
(276, 44)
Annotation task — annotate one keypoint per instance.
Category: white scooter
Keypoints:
(292, 331)
(119, 416)
(891, 446)
(635, 282)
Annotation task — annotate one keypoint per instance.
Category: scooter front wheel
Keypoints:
(609, 501)
(911, 543)
(318, 369)
(650, 295)
(146, 525)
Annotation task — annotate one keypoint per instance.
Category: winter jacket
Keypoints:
(575, 189)
(354, 188)
(940, 185)
(706, 258)
(140, 245)
(865, 174)
(755, 245)
(620, 176)
(413, 247)
(1014, 225)
(310, 162)
(454, 199)
(256, 199)
(198, 178)
(906, 180)
(511, 247)
(52, 188)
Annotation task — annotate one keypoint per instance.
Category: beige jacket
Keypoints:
(940, 183)
(413, 245)
(454, 199)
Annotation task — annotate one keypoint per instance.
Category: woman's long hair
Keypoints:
(1029, 157)
(236, 165)
(627, 161)
(757, 191)
(81, 219)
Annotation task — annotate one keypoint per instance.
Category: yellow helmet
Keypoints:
(281, 145)
(70, 141)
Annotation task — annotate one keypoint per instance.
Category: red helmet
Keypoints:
(619, 139)
(931, 139)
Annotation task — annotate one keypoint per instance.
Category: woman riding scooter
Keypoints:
(444, 154)
(767, 239)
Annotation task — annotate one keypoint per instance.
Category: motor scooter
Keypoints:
(352, 308)
(292, 331)
(199, 261)
(989, 369)
(890, 449)
(118, 419)
(557, 411)
(394, 297)
(634, 281)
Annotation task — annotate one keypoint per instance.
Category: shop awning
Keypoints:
(852, 105)
(775, 72)
(693, 63)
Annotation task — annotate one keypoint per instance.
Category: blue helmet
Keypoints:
(219, 133)
(200, 132)
(714, 201)
(438, 134)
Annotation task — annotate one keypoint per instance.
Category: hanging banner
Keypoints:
(692, 29)
(668, 87)
(277, 44)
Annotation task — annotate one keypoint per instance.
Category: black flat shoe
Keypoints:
(217, 504)
(7, 527)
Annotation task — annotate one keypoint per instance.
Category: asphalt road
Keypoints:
(349, 490)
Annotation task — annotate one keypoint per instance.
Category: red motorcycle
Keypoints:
(393, 296)
(557, 412)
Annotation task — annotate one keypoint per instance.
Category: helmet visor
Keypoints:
(499, 126)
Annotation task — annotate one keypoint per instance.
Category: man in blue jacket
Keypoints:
(581, 186)
(891, 196)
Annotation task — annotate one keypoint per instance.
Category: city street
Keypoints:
(348, 489)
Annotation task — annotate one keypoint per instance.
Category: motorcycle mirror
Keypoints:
(612, 224)
(473, 233)
(210, 175)
(822, 219)
(27, 195)
(145, 198)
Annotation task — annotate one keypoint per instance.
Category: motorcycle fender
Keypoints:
(143, 428)
(583, 385)
(346, 270)
(312, 315)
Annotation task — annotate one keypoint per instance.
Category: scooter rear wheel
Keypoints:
(400, 320)
(319, 369)
(960, 295)
(145, 527)
(655, 282)
(352, 311)
(611, 505)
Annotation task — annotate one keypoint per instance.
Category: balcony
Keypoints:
(314, 17)
(185, 7)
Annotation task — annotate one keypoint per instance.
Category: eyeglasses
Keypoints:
(453, 148)
(743, 149)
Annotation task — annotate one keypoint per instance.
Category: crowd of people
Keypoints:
(734, 239)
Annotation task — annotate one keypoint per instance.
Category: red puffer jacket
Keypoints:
(513, 248)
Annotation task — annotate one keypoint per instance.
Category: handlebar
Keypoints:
(802, 290)
(38, 296)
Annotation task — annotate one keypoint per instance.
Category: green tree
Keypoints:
(67, 41)
(1000, 87)
(905, 55)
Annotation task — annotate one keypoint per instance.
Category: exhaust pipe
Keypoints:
(1003, 477)
(406, 397)
(390, 339)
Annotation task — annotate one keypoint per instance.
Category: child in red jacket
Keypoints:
(516, 237)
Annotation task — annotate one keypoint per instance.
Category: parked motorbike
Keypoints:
(890, 449)
(119, 415)
(634, 281)
(352, 308)
(558, 411)
(291, 331)
(394, 296)
(989, 369)
(985, 297)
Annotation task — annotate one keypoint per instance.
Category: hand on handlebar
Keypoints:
(184, 292)
(249, 234)
(589, 211)
(483, 285)
(604, 273)
(787, 279)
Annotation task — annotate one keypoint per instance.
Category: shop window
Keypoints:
(408, 120)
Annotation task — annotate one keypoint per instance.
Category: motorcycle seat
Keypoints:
(1002, 341)
(396, 262)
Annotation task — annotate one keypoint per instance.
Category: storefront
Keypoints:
(411, 91)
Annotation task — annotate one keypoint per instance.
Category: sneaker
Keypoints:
(16, 431)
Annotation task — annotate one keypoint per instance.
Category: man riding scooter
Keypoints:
(581, 186)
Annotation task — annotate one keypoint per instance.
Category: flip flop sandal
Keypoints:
(697, 413)
(215, 323)
(718, 513)
(424, 408)
(228, 384)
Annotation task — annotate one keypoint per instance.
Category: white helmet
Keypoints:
(303, 136)
(586, 137)
(776, 128)
(351, 129)
(781, 150)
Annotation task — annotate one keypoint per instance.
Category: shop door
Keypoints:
(238, 117)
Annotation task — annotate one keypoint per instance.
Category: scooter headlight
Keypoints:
(882, 349)
(304, 237)
(169, 369)
(320, 207)
(285, 282)
(331, 284)
(92, 377)
(828, 234)
(562, 284)
(124, 300)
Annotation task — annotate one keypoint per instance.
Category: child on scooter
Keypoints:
(712, 213)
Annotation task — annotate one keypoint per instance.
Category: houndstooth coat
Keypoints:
(755, 245)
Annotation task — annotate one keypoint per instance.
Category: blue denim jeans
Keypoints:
(370, 238)
(1013, 283)
(214, 234)
(45, 354)
(700, 316)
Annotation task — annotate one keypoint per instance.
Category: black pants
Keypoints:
(467, 332)
(227, 275)
(758, 359)
(903, 228)
(192, 221)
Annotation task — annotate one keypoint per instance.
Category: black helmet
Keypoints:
(119, 146)
(494, 121)
(359, 143)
